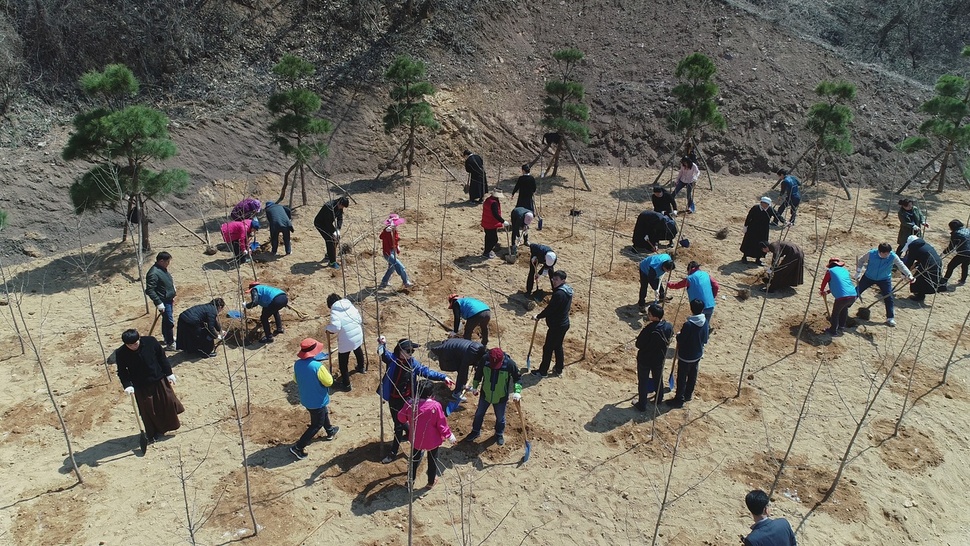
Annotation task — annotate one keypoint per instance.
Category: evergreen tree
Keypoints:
(829, 121)
(409, 109)
(296, 127)
(563, 109)
(695, 93)
(947, 124)
(121, 139)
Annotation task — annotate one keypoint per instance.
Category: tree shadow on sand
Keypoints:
(65, 274)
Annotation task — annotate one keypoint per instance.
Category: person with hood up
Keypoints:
(199, 328)
(428, 428)
(960, 245)
(477, 178)
(492, 221)
(399, 381)
(345, 321)
(541, 262)
(391, 248)
(271, 299)
(757, 224)
(236, 234)
(495, 383)
(691, 340)
(313, 381)
(652, 268)
(700, 286)
(839, 281)
(280, 220)
(557, 323)
(475, 314)
(926, 265)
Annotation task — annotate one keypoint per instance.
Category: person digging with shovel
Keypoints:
(877, 265)
(199, 328)
(146, 374)
(541, 262)
(499, 380)
(839, 281)
(652, 268)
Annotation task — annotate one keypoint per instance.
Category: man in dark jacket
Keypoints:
(458, 355)
(690, 348)
(766, 531)
(477, 179)
(663, 202)
(526, 187)
(199, 327)
(145, 372)
(960, 245)
(160, 288)
(328, 222)
(541, 261)
(652, 346)
(280, 219)
(557, 321)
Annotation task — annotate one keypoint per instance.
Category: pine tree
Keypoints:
(409, 109)
(121, 139)
(563, 109)
(296, 129)
(829, 121)
(947, 125)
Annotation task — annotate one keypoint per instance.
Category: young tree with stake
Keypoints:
(121, 139)
(563, 110)
(297, 128)
(409, 110)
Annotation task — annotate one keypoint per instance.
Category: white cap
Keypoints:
(528, 218)
(766, 200)
(551, 258)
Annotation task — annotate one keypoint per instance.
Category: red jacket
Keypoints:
(390, 241)
(492, 219)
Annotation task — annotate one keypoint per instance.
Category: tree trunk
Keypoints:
(146, 244)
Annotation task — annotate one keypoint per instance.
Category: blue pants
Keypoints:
(690, 193)
(393, 264)
(480, 415)
(885, 286)
(319, 418)
(168, 323)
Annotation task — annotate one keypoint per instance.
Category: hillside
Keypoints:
(489, 62)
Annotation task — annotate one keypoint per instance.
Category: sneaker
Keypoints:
(538, 373)
(382, 286)
(298, 452)
(758, 262)
(642, 307)
(360, 369)
(345, 386)
(278, 332)
(674, 403)
(208, 355)
(335, 265)
(891, 322)
(556, 373)
(473, 435)
(267, 339)
(332, 433)
(431, 484)
(389, 459)
(170, 347)
(491, 255)
(500, 439)
(409, 285)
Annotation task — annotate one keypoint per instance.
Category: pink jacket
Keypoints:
(430, 429)
(236, 230)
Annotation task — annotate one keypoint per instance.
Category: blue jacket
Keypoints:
(692, 338)
(263, 294)
(771, 532)
(469, 307)
(654, 263)
(699, 288)
(789, 186)
(400, 376)
(840, 283)
(313, 381)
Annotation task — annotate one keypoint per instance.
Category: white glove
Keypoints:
(452, 335)
(450, 382)
(516, 397)
(744, 229)
(161, 308)
(506, 224)
(130, 390)
(382, 340)
(673, 213)
(912, 279)
(172, 379)
(452, 439)
(336, 234)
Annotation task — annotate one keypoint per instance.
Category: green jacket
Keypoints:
(498, 384)
(159, 285)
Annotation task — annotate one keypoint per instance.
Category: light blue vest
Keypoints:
(880, 268)
(840, 282)
(654, 262)
(699, 288)
(470, 307)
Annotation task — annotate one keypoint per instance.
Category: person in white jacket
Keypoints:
(345, 321)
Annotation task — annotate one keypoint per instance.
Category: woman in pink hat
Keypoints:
(390, 243)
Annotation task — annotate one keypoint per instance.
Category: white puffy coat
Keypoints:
(345, 321)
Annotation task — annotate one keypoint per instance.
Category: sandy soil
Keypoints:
(598, 468)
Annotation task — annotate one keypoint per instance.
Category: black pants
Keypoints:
(530, 282)
(400, 429)
(686, 380)
(478, 320)
(274, 236)
(840, 313)
(963, 262)
(647, 280)
(343, 360)
(319, 418)
(645, 372)
(273, 309)
(331, 241)
(553, 344)
(432, 464)
(491, 240)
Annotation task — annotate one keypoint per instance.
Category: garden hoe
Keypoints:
(525, 434)
(143, 438)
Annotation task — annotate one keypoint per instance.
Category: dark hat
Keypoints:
(657, 189)
(407, 345)
(495, 358)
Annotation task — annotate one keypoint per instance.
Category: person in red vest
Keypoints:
(492, 221)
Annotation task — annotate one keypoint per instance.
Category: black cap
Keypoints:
(657, 189)
(407, 345)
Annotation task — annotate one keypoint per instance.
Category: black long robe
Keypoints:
(653, 227)
(198, 328)
(927, 266)
(790, 267)
(758, 222)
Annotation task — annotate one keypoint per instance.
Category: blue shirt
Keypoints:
(654, 263)
(469, 307)
(699, 288)
(840, 283)
(264, 294)
(789, 186)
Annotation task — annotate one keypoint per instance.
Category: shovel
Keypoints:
(863, 312)
(143, 438)
(528, 358)
(525, 434)
(154, 322)
(510, 257)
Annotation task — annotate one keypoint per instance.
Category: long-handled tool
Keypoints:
(525, 433)
(864, 313)
(329, 352)
(154, 322)
(825, 298)
(511, 255)
(143, 439)
(528, 358)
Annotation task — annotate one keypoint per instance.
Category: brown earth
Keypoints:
(598, 468)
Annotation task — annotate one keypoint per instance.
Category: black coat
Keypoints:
(279, 217)
(926, 265)
(457, 352)
(653, 342)
(664, 202)
(758, 223)
(557, 312)
(143, 367)
(526, 187)
(330, 218)
(653, 227)
(198, 327)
